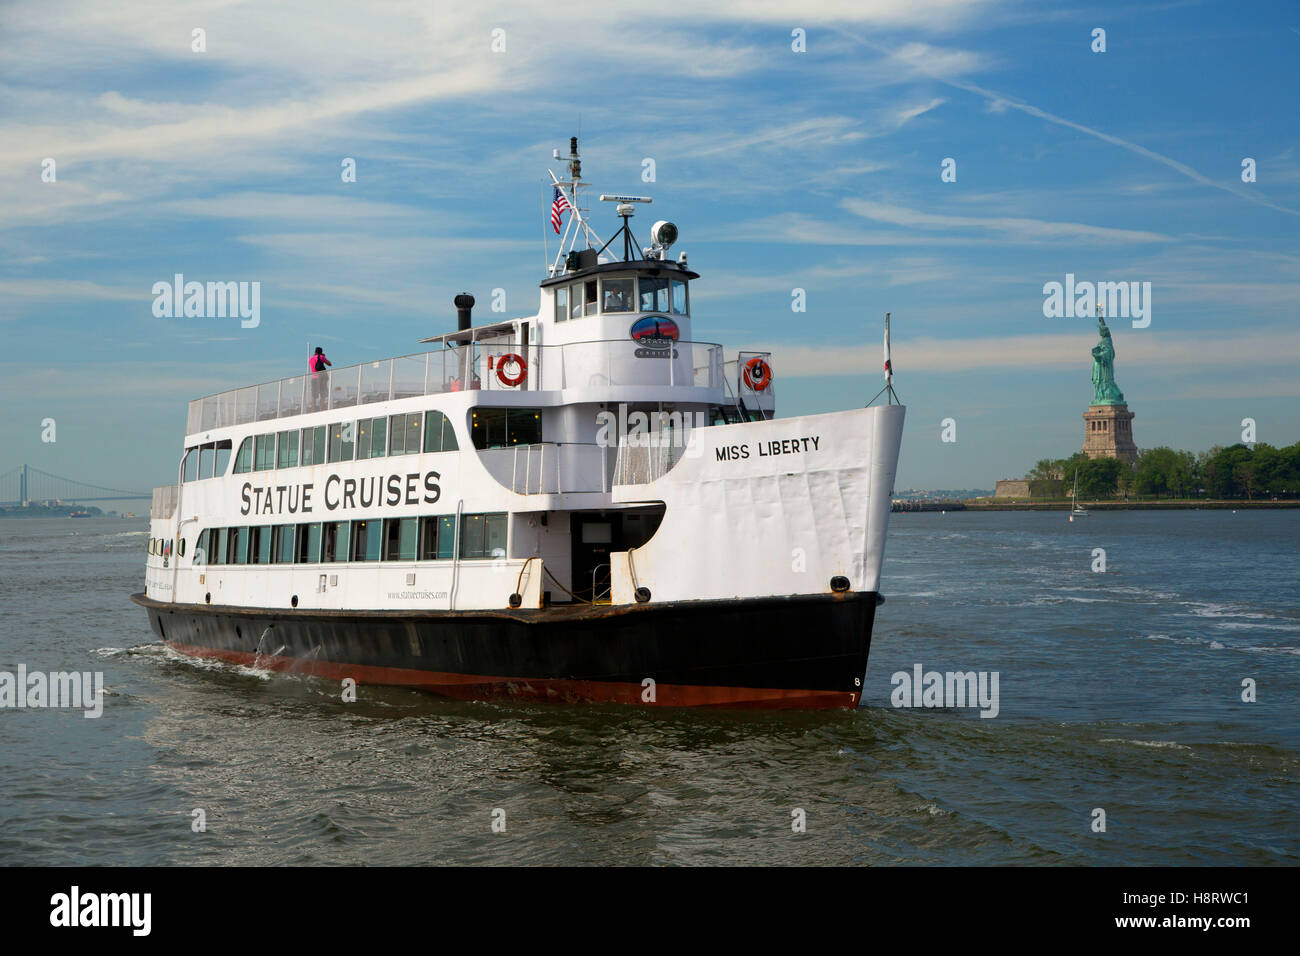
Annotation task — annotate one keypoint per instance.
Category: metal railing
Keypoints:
(473, 366)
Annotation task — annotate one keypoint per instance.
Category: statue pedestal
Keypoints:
(1108, 433)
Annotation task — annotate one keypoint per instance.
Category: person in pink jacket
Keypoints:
(320, 387)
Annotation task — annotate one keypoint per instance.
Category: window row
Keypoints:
(206, 461)
(430, 538)
(385, 435)
(643, 294)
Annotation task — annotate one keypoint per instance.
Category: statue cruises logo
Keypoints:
(1077, 300)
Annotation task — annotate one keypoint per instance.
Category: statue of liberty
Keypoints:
(1104, 389)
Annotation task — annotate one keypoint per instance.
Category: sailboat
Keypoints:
(1074, 499)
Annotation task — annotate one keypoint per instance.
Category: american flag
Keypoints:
(557, 209)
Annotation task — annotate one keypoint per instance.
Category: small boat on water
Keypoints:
(1075, 510)
(582, 504)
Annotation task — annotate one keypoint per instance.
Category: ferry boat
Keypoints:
(587, 504)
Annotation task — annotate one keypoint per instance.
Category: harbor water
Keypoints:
(1119, 690)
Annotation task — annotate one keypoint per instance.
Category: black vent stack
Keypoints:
(464, 304)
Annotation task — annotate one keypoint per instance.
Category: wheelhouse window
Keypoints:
(438, 433)
(618, 295)
(589, 299)
(483, 536)
(562, 303)
(400, 538)
(191, 472)
(505, 427)
(681, 300)
(654, 294)
(206, 458)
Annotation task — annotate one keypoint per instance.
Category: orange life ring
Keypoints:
(512, 380)
(758, 374)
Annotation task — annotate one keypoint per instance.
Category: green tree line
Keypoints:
(1238, 471)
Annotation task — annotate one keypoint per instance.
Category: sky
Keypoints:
(796, 146)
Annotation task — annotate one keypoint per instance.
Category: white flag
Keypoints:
(889, 368)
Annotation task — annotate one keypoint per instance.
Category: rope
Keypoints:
(563, 588)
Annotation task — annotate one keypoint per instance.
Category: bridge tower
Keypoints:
(22, 487)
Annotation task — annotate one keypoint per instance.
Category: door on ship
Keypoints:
(596, 535)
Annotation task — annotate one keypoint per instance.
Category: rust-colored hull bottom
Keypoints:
(482, 687)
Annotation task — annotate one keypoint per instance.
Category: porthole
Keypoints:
(181, 548)
(207, 598)
(294, 600)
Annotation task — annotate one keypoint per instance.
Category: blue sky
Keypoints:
(817, 170)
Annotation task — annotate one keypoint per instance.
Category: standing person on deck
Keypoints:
(317, 363)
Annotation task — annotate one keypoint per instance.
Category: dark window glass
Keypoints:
(244, 460)
(495, 536)
(446, 537)
(205, 462)
(286, 450)
(313, 445)
(523, 426)
(428, 539)
(191, 472)
(238, 546)
(378, 437)
(399, 539)
(488, 427)
(200, 548)
(589, 297)
(308, 543)
(366, 538)
(217, 553)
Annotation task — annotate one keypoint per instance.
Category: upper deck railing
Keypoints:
(591, 364)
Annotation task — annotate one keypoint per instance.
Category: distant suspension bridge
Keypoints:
(25, 483)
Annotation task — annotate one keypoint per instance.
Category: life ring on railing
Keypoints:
(512, 380)
(758, 374)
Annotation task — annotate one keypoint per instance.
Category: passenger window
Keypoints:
(287, 453)
(244, 460)
(342, 440)
(334, 541)
(309, 543)
(223, 459)
(366, 540)
(283, 544)
(438, 434)
(264, 452)
(399, 539)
